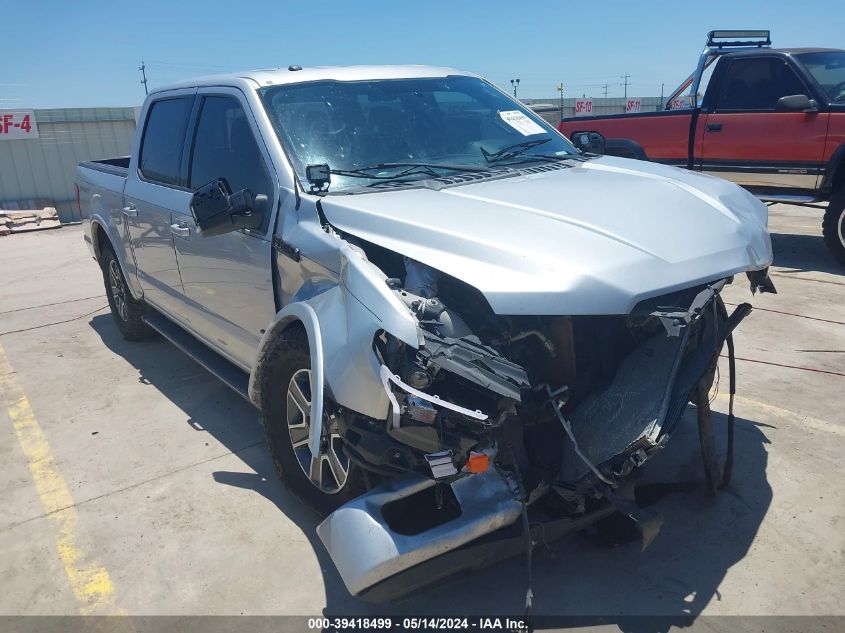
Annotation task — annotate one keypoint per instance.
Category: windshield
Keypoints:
(828, 69)
(406, 128)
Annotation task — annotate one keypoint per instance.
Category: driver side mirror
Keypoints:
(217, 210)
(796, 103)
(589, 142)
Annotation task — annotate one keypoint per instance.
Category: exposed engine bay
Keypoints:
(574, 398)
(562, 411)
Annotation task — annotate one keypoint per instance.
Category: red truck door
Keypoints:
(744, 139)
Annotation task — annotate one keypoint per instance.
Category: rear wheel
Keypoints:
(833, 226)
(325, 479)
(127, 311)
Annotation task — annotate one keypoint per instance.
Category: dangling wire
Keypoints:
(529, 542)
(715, 386)
(729, 457)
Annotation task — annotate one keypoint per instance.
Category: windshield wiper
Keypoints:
(319, 175)
(512, 151)
(540, 157)
(412, 168)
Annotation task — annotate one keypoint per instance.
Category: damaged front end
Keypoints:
(495, 418)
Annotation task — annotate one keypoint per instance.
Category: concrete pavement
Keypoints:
(134, 482)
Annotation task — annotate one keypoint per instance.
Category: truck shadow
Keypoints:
(577, 579)
(803, 253)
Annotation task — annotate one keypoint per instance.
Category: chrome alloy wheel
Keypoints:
(329, 468)
(118, 291)
(840, 228)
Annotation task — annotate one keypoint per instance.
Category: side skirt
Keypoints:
(231, 375)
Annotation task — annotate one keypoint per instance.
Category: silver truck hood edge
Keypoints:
(590, 239)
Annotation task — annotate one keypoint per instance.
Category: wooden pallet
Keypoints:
(26, 220)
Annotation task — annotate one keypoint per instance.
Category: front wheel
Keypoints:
(324, 479)
(833, 226)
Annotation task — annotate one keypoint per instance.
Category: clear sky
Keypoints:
(87, 53)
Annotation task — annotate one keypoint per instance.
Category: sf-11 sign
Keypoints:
(17, 124)
(633, 105)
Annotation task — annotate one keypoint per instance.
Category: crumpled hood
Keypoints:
(592, 239)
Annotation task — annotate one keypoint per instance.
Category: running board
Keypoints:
(231, 375)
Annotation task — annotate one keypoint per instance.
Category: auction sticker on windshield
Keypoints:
(521, 123)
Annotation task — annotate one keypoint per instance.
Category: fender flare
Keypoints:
(304, 314)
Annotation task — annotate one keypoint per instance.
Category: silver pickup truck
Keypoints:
(455, 323)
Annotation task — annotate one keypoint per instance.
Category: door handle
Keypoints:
(714, 127)
(130, 211)
(179, 230)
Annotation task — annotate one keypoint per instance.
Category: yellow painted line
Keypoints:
(89, 581)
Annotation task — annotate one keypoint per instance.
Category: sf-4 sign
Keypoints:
(17, 124)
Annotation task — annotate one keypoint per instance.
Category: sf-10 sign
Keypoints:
(583, 107)
(17, 124)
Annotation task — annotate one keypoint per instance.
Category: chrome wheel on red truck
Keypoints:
(833, 226)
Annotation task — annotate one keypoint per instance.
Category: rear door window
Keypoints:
(757, 84)
(164, 139)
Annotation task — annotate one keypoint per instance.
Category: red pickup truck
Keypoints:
(771, 120)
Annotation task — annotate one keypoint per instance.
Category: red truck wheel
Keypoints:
(833, 226)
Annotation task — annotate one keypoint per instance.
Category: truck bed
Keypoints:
(118, 166)
(100, 191)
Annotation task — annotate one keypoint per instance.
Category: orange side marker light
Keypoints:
(478, 462)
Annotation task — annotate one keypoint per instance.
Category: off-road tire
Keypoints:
(833, 226)
(290, 355)
(129, 317)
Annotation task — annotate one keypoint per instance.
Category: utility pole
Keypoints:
(143, 70)
(625, 78)
(660, 107)
(560, 90)
(515, 84)
(605, 90)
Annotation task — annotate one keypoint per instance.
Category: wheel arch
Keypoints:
(340, 332)
(834, 177)
(98, 236)
(299, 314)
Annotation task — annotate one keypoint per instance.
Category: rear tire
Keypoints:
(127, 311)
(285, 415)
(833, 226)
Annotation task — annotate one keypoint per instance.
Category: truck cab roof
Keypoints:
(753, 52)
(295, 74)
